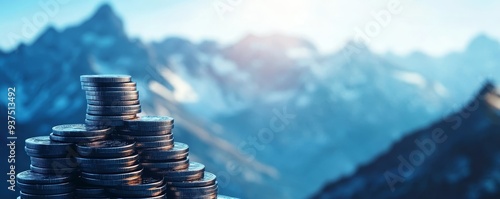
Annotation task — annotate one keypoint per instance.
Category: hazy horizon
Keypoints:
(406, 30)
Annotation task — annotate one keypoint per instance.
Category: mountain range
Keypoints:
(269, 114)
(456, 157)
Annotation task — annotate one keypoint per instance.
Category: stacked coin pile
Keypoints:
(153, 133)
(116, 154)
(110, 99)
(51, 169)
(186, 179)
(192, 182)
(109, 163)
(49, 157)
(36, 185)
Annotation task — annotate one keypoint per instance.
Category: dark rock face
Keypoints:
(456, 157)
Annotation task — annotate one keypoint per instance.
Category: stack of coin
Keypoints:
(51, 171)
(205, 187)
(149, 131)
(110, 99)
(153, 133)
(116, 153)
(36, 185)
(50, 157)
(183, 182)
(157, 160)
(150, 187)
(190, 182)
(79, 133)
(109, 163)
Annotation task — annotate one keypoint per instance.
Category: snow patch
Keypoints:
(411, 78)
(161, 90)
(440, 89)
(182, 92)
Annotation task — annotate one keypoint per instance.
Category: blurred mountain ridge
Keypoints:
(455, 157)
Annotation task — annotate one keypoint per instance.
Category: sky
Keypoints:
(397, 26)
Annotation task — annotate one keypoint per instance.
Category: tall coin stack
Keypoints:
(110, 99)
(115, 154)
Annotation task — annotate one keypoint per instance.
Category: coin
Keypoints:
(123, 161)
(208, 179)
(114, 108)
(195, 171)
(53, 170)
(150, 121)
(53, 162)
(112, 102)
(77, 139)
(105, 123)
(30, 177)
(106, 148)
(109, 84)
(179, 151)
(46, 189)
(79, 130)
(105, 78)
(110, 183)
(111, 93)
(112, 176)
(155, 144)
(166, 165)
(44, 143)
(51, 196)
(112, 98)
(47, 153)
(148, 138)
(193, 191)
(123, 131)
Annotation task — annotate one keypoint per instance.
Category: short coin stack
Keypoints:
(153, 133)
(36, 185)
(192, 182)
(50, 171)
(109, 163)
(110, 99)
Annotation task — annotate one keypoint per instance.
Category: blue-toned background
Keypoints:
(280, 99)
